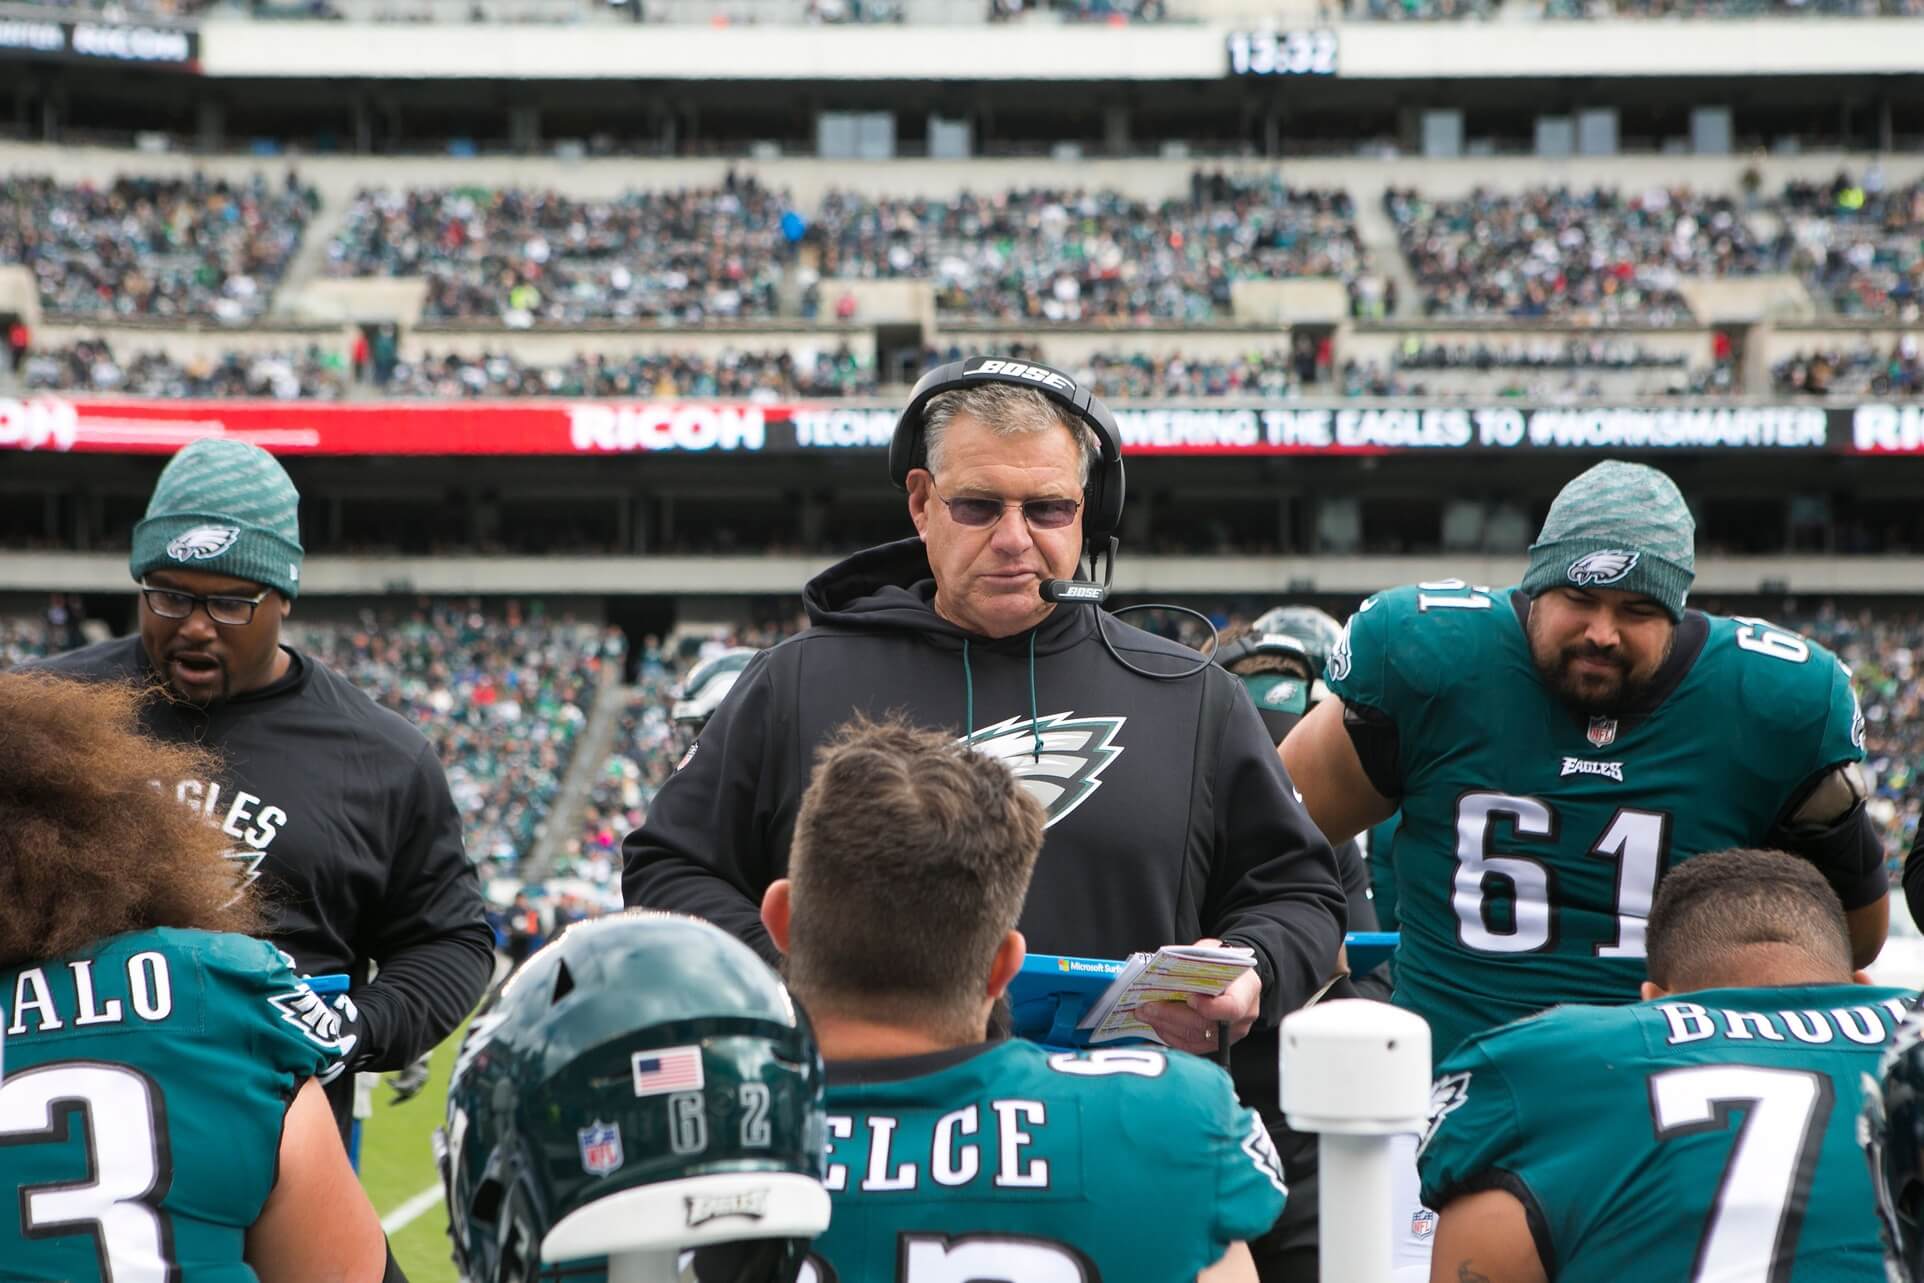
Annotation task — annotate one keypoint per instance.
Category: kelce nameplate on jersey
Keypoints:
(990, 1149)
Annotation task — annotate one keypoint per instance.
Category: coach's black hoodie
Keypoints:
(1171, 817)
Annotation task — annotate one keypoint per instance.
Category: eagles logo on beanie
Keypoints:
(226, 507)
(1618, 525)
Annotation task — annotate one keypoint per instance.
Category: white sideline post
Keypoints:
(1357, 1073)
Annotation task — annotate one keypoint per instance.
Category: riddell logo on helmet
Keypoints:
(1033, 373)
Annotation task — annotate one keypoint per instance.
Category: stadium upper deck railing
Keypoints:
(230, 43)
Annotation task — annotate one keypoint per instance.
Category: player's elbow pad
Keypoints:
(1848, 851)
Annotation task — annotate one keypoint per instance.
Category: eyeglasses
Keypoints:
(232, 612)
(1041, 514)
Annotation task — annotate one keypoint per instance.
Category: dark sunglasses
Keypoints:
(234, 612)
(1041, 514)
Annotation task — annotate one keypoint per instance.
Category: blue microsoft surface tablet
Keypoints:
(1050, 994)
(1369, 950)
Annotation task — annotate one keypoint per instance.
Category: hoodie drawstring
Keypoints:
(968, 698)
(968, 695)
(1035, 713)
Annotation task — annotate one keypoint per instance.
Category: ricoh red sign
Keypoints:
(1279, 427)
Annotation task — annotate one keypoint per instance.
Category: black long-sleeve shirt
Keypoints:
(1170, 816)
(342, 812)
(1914, 878)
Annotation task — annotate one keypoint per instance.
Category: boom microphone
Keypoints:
(1074, 592)
(1087, 592)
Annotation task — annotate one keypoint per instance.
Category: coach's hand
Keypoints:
(1190, 1025)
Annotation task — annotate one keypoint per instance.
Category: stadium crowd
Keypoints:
(525, 257)
(1094, 257)
(1855, 371)
(322, 373)
(122, 10)
(1885, 653)
(747, 374)
(1732, 8)
(1604, 256)
(1423, 10)
(1856, 242)
(1547, 352)
(646, 748)
(1596, 256)
(501, 691)
(203, 248)
(1118, 374)
(89, 365)
(196, 247)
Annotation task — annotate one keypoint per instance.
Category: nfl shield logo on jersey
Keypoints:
(600, 1148)
(1603, 731)
(1422, 1223)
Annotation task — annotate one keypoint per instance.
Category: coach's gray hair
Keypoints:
(1008, 411)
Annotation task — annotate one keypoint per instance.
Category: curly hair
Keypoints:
(92, 842)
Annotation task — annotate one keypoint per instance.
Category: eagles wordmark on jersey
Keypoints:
(1532, 836)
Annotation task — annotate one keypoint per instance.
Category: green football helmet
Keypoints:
(1891, 1129)
(643, 1086)
(1301, 633)
(1303, 630)
(708, 684)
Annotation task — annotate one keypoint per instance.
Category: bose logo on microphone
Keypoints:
(1033, 373)
(1068, 591)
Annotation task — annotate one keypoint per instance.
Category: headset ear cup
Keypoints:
(1112, 492)
(1103, 497)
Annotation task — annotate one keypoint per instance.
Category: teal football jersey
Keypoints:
(1007, 1163)
(1706, 1137)
(1379, 849)
(1533, 837)
(143, 1085)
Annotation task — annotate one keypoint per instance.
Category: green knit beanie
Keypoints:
(1622, 526)
(225, 507)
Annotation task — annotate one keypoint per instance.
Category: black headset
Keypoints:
(1102, 495)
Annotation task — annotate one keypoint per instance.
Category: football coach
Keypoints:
(338, 806)
(1169, 819)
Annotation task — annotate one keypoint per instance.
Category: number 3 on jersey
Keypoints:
(128, 1162)
(1636, 841)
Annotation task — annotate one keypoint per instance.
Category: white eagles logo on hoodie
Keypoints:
(202, 542)
(1605, 566)
(1075, 753)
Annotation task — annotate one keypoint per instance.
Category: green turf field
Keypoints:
(397, 1163)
